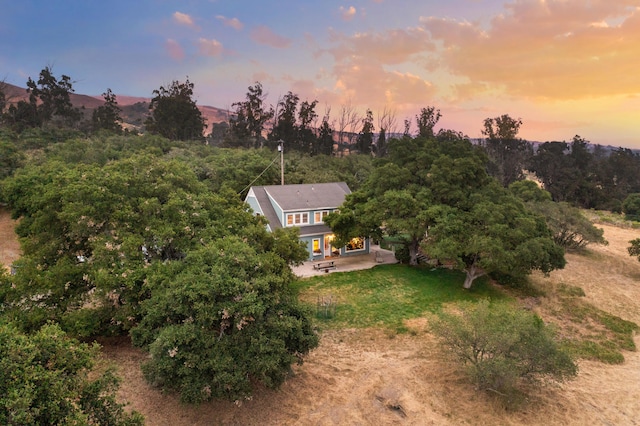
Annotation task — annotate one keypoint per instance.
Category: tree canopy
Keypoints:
(570, 228)
(496, 234)
(44, 381)
(221, 319)
(435, 195)
(508, 154)
(402, 195)
(109, 248)
(174, 113)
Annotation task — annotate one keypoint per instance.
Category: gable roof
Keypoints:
(266, 207)
(316, 196)
(299, 197)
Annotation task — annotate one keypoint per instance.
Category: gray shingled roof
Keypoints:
(267, 209)
(315, 196)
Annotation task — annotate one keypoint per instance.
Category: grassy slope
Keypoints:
(387, 296)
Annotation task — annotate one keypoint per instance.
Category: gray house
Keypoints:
(305, 206)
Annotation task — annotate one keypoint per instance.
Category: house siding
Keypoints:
(310, 199)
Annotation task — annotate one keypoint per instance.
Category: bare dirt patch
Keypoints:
(373, 377)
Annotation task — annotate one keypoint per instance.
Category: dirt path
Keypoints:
(369, 377)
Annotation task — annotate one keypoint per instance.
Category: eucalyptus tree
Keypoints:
(324, 142)
(364, 142)
(508, 154)
(51, 99)
(306, 129)
(426, 121)
(285, 127)
(247, 124)
(107, 116)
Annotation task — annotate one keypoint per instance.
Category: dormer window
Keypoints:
(297, 219)
(319, 216)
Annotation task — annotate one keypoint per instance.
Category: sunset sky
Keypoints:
(565, 67)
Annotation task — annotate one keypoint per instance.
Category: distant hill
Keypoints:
(134, 109)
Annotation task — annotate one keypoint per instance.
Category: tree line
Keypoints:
(577, 172)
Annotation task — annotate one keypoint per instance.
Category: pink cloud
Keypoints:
(347, 13)
(369, 83)
(231, 22)
(183, 19)
(264, 35)
(174, 49)
(210, 47)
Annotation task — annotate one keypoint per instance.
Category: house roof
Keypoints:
(316, 196)
(266, 207)
(306, 231)
(300, 197)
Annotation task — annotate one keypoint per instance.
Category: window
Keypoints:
(318, 217)
(316, 246)
(356, 243)
(297, 219)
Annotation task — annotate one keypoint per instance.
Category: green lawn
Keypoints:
(387, 295)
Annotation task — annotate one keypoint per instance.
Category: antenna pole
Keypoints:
(281, 149)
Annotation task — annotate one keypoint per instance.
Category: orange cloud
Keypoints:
(210, 47)
(391, 47)
(547, 49)
(174, 49)
(264, 35)
(231, 22)
(369, 84)
(347, 13)
(370, 69)
(183, 19)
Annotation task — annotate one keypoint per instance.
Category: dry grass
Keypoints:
(372, 377)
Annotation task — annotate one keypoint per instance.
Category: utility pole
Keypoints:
(281, 150)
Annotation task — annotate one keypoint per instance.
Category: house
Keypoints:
(305, 206)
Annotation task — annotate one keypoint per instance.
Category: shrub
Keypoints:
(44, 379)
(631, 207)
(503, 346)
(634, 248)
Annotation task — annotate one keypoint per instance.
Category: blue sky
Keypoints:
(565, 67)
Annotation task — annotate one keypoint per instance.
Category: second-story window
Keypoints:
(297, 219)
(318, 217)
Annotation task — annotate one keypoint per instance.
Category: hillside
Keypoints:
(134, 108)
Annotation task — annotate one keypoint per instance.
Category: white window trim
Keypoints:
(313, 243)
(299, 217)
(321, 214)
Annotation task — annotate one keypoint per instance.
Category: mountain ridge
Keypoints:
(135, 109)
